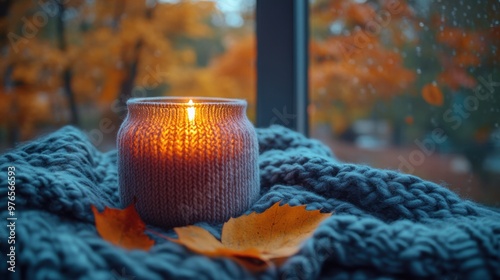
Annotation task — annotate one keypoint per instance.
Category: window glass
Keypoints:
(80, 61)
(410, 85)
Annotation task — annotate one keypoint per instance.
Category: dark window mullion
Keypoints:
(301, 53)
(282, 63)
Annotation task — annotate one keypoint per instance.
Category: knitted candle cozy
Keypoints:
(187, 162)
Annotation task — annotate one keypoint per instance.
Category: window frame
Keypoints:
(282, 63)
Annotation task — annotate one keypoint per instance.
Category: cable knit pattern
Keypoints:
(386, 225)
(183, 171)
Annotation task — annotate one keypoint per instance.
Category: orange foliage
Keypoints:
(37, 57)
(359, 13)
(468, 47)
(432, 95)
(15, 103)
(352, 13)
(114, 76)
(464, 59)
(456, 77)
(461, 40)
(231, 74)
(398, 9)
(117, 36)
(357, 77)
(184, 18)
(355, 69)
(350, 66)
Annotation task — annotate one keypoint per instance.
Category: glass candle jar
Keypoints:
(187, 160)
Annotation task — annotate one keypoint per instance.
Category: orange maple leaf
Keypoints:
(432, 95)
(122, 227)
(257, 239)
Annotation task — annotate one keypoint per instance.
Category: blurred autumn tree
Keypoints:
(410, 64)
(78, 61)
(404, 62)
(352, 68)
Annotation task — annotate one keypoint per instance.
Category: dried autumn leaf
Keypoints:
(258, 238)
(122, 227)
(432, 95)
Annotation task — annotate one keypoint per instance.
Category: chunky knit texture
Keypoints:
(386, 225)
(183, 171)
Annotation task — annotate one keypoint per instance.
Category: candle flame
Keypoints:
(190, 110)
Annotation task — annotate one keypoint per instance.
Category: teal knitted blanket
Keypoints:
(386, 225)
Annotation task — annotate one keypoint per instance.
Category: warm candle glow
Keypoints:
(187, 161)
(190, 110)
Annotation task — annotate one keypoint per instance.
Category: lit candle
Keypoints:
(191, 111)
(187, 160)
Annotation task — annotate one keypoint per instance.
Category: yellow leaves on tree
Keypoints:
(398, 9)
(468, 48)
(432, 95)
(256, 239)
(232, 74)
(106, 45)
(353, 13)
(461, 40)
(237, 69)
(37, 57)
(16, 102)
(184, 18)
(369, 69)
(353, 70)
(114, 76)
(359, 13)
(123, 228)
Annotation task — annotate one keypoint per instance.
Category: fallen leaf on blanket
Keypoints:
(122, 227)
(256, 239)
